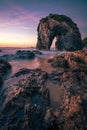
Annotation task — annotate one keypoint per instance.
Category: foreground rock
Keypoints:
(25, 101)
(71, 77)
(63, 28)
(72, 60)
(5, 67)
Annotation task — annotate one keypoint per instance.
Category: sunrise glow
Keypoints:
(16, 40)
(19, 19)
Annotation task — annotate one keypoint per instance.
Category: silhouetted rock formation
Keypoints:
(63, 28)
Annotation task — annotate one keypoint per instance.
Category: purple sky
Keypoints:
(19, 18)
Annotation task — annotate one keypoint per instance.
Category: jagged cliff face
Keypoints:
(63, 28)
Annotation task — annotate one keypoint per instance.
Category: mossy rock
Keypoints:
(62, 18)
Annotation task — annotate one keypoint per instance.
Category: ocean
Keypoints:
(40, 61)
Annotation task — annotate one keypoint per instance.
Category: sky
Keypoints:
(19, 18)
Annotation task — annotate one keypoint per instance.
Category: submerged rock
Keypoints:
(20, 54)
(7, 57)
(23, 54)
(37, 52)
(0, 50)
(63, 28)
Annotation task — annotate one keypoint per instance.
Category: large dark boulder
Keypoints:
(5, 67)
(63, 28)
(23, 54)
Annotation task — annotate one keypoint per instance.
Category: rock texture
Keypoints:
(63, 28)
(24, 101)
(71, 77)
(20, 54)
(4, 69)
(24, 55)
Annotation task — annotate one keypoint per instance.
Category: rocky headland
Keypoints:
(63, 28)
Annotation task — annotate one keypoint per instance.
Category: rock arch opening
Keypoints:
(54, 43)
(61, 27)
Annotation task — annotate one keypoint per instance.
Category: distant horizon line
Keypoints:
(17, 46)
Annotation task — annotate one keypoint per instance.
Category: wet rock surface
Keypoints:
(24, 55)
(25, 102)
(7, 57)
(20, 54)
(36, 100)
(71, 112)
(63, 28)
(5, 67)
(37, 52)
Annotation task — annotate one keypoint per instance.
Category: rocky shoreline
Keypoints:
(21, 55)
(29, 96)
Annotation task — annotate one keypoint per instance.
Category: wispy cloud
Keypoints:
(17, 15)
(26, 27)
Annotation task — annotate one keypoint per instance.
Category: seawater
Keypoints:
(40, 61)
